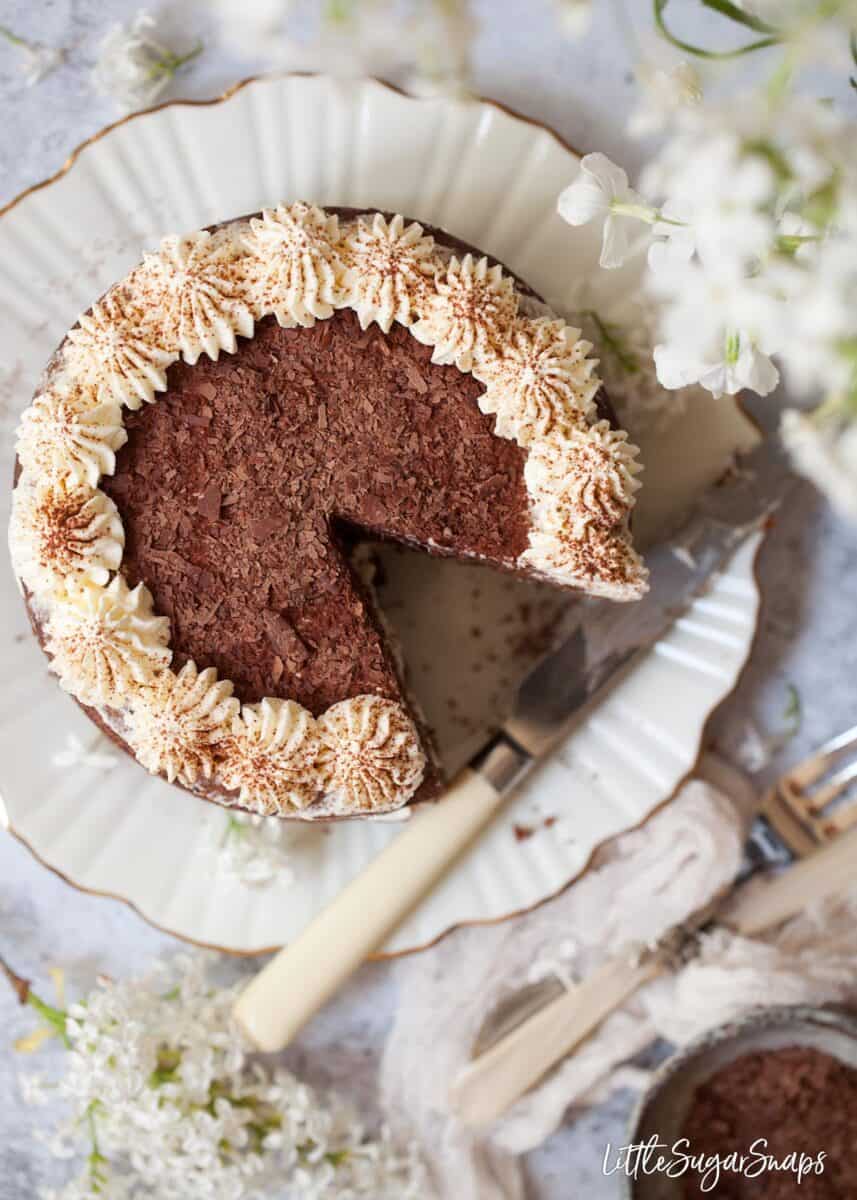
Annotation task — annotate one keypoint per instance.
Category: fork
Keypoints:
(800, 807)
(801, 823)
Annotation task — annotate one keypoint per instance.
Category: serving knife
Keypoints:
(603, 645)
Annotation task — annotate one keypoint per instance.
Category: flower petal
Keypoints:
(582, 201)
(616, 241)
(612, 179)
(674, 369)
(757, 372)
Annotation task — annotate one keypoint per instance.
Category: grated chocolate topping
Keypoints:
(239, 488)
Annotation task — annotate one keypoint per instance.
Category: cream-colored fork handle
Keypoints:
(299, 980)
(764, 904)
(490, 1084)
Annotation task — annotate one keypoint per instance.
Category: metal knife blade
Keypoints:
(607, 636)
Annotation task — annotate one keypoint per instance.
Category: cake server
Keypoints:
(604, 644)
(803, 819)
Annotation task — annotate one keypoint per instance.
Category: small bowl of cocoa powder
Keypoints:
(764, 1108)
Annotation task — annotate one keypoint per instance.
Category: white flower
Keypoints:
(255, 850)
(798, 237)
(813, 33)
(826, 453)
(664, 92)
(354, 40)
(35, 1088)
(601, 192)
(675, 240)
(574, 16)
(134, 66)
(821, 337)
(722, 192)
(741, 365)
(38, 60)
(624, 332)
(754, 750)
(441, 36)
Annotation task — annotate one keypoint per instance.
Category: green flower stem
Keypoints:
(233, 829)
(55, 1017)
(736, 13)
(793, 712)
(790, 243)
(338, 12)
(847, 347)
(646, 213)
(764, 148)
(781, 80)
(169, 62)
(772, 36)
(6, 32)
(613, 342)
(96, 1162)
(166, 1069)
(642, 212)
(822, 205)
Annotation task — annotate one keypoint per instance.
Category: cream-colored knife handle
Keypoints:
(298, 981)
(492, 1083)
(764, 904)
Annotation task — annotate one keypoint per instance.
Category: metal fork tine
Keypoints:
(812, 768)
(835, 786)
(797, 805)
(844, 818)
(841, 742)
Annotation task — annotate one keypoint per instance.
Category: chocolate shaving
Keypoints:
(209, 502)
(285, 638)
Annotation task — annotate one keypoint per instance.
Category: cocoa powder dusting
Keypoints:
(799, 1099)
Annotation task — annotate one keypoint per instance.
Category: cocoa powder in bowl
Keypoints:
(801, 1101)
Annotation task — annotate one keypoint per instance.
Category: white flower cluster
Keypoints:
(748, 211)
(158, 1075)
(424, 47)
(134, 63)
(255, 850)
(624, 331)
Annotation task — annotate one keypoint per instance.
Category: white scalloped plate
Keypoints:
(491, 178)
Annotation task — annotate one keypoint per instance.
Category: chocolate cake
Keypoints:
(183, 518)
